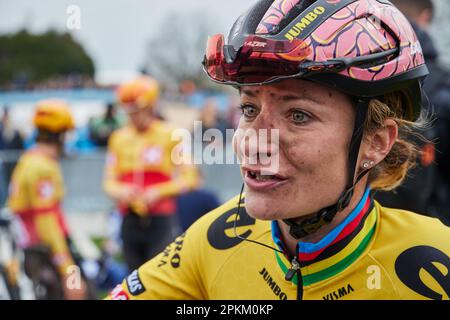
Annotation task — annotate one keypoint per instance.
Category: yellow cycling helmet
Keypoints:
(53, 116)
(140, 93)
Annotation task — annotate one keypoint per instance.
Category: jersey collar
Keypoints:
(337, 250)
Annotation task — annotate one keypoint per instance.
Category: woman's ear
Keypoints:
(379, 144)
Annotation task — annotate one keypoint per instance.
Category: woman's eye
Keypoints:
(249, 111)
(299, 117)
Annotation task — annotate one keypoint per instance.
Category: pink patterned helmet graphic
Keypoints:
(363, 28)
(277, 11)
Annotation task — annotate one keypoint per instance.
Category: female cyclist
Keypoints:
(341, 82)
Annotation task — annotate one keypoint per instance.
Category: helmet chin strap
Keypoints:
(326, 215)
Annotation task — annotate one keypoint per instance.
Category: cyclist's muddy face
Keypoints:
(315, 126)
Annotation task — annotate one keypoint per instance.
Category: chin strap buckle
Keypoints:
(311, 225)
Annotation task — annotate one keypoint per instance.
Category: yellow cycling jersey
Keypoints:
(143, 160)
(36, 193)
(375, 253)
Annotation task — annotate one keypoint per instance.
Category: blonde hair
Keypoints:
(392, 171)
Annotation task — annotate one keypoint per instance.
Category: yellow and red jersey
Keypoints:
(144, 160)
(36, 193)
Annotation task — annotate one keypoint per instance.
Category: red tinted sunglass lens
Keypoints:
(260, 60)
(214, 59)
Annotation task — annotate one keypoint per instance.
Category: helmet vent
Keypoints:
(247, 24)
(294, 13)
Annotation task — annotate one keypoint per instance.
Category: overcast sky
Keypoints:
(114, 32)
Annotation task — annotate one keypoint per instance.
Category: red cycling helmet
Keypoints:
(363, 48)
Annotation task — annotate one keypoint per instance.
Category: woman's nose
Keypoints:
(257, 147)
(265, 120)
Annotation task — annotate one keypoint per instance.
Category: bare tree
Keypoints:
(176, 51)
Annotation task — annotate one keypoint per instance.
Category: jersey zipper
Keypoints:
(290, 274)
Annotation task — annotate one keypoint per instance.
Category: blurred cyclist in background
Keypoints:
(36, 194)
(141, 176)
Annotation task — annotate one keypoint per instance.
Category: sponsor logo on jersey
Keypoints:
(425, 270)
(173, 249)
(273, 285)
(309, 18)
(339, 293)
(153, 155)
(221, 233)
(46, 190)
(134, 284)
(119, 293)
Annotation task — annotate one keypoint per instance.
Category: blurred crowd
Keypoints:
(93, 136)
(61, 82)
(95, 133)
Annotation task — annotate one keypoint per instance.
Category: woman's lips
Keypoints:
(259, 182)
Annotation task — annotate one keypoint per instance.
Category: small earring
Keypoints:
(368, 164)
